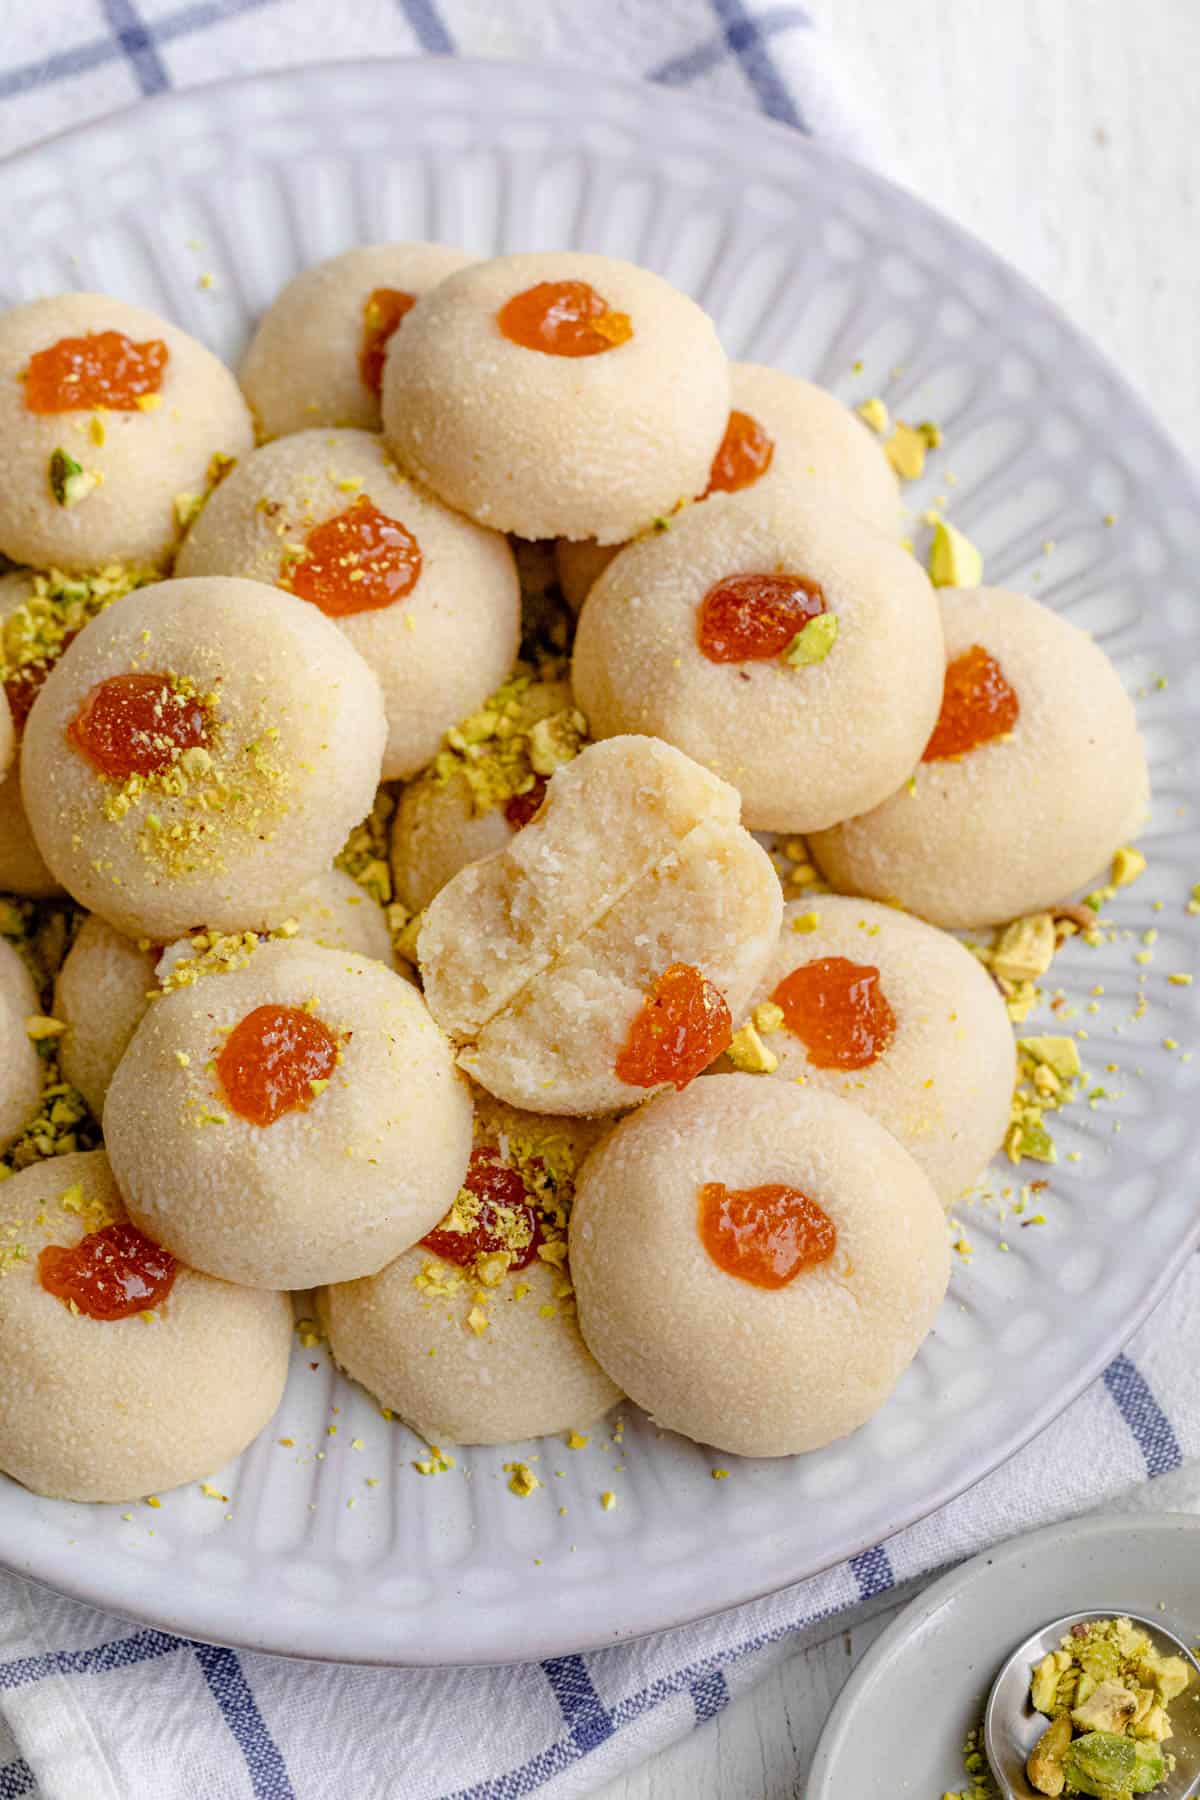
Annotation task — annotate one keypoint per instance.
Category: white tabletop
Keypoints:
(1066, 136)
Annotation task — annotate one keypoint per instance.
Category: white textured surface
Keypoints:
(812, 265)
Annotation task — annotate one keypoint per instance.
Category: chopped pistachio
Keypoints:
(1127, 865)
(1058, 1054)
(906, 450)
(1025, 948)
(954, 560)
(874, 412)
(748, 1053)
(813, 642)
(70, 482)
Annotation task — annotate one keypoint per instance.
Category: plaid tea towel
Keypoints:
(94, 1708)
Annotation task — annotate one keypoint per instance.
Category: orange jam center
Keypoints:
(744, 454)
(764, 1235)
(522, 807)
(498, 1188)
(563, 318)
(25, 683)
(270, 1061)
(683, 1026)
(137, 725)
(382, 313)
(750, 618)
(838, 1011)
(110, 1274)
(357, 562)
(977, 705)
(103, 369)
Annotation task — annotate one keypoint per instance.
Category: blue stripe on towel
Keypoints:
(709, 1695)
(679, 70)
(581, 1705)
(748, 43)
(118, 1653)
(16, 1778)
(1151, 1428)
(873, 1572)
(137, 44)
(231, 1691)
(428, 27)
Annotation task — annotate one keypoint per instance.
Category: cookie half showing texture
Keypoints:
(557, 394)
(609, 817)
(645, 997)
(875, 1006)
(1033, 775)
(756, 1264)
(779, 641)
(317, 355)
(20, 1064)
(471, 1336)
(430, 601)
(122, 1372)
(198, 755)
(781, 432)
(112, 421)
(485, 784)
(295, 1121)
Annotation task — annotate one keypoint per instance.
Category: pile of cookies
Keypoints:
(585, 1109)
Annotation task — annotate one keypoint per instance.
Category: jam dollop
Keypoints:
(110, 1274)
(839, 1012)
(751, 618)
(358, 561)
(383, 311)
(563, 318)
(978, 704)
(684, 1025)
(522, 807)
(137, 725)
(23, 684)
(764, 1235)
(271, 1060)
(504, 1219)
(743, 455)
(105, 368)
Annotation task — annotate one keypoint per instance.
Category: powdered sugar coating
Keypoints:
(301, 367)
(550, 446)
(440, 649)
(805, 747)
(300, 733)
(94, 1409)
(755, 1372)
(328, 1193)
(146, 458)
(1018, 823)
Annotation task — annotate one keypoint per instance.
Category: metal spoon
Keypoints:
(1011, 1727)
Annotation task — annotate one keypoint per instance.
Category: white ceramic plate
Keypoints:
(812, 264)
(900, 1722)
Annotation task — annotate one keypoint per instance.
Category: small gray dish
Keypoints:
(899, 1725)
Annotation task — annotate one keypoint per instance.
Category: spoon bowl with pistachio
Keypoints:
(1100, 1703)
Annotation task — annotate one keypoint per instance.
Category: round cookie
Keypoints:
(118, 1408)
(483, 786)
(20, 1064)
(282, 729)
(801, 1329)
(1015, 823)
(101, 995)
(592, 443)
(296, 1121)
(782, 432)
(900, 1019)
(451, 633)
(677, 639)
(317, 355)
(510, 1365)
(96, 479)
(107, 980)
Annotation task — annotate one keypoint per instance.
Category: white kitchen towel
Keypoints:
(94, 1708)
